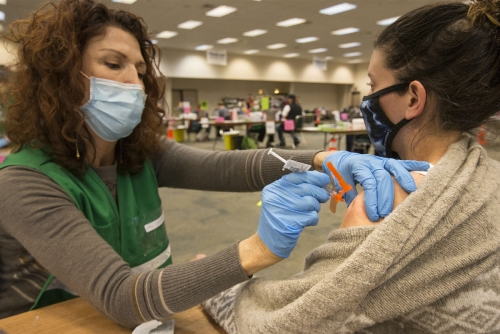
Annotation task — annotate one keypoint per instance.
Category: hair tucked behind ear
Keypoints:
(47, 87)
(453, 49)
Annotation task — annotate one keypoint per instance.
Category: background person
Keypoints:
(290, 111)
(433, 264)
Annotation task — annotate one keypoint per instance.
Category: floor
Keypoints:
(205, 222)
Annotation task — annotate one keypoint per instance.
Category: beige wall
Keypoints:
(193, 64)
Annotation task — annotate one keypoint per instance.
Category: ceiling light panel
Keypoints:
(345, 31)
(291, 55)
(355, 61)
(349, 45)
(128, 2)
(227, 40)
(255, 32)
(343, 7)
(387, 22)
(319, 50)
(307, 39)
(191, 24)
(220, 11)
(290, 22)
(166, 34)
(204, 47)
(3, 2)
(352, 54)
(2, 16)
(276, 46)
(250, 52)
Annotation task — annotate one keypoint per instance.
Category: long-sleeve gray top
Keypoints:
(42, 232)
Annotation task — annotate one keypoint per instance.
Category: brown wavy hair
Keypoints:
(47, 87)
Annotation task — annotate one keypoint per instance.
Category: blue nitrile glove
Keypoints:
(372, 173)
(288, 205)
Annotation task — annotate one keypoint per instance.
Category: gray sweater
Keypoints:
(432, 266)
(42, 232)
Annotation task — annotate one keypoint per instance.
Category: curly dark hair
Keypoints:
(453, 49)
(47, 85)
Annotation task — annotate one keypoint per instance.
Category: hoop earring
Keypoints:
(77, 151)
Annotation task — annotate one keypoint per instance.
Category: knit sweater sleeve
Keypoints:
(181, 166)
(42, 219)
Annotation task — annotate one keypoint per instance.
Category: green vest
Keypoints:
(133, 225)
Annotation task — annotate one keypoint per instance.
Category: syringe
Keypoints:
(296, 166)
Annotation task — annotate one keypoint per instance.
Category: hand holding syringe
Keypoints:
(296, 166)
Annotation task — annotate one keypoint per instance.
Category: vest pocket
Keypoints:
(150, 234)
(109, 232)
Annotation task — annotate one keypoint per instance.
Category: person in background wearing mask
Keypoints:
(290, 111)
(433, 264)
(79, 207)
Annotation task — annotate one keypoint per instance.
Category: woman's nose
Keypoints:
(132, 76)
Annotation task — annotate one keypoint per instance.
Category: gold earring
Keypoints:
(77, 151)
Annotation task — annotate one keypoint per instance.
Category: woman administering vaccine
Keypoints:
(79, 207)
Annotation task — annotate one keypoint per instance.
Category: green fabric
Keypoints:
(248, 143)
(121, 224)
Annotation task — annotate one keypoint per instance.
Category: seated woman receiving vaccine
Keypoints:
(433, 264)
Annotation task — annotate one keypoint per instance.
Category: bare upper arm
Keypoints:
(356, 212)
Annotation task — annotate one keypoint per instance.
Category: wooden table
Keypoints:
(333, 131)
(76, 316)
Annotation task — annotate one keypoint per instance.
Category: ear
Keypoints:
(416, 100)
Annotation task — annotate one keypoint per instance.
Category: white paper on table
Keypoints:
(155, 327)
(270, 127)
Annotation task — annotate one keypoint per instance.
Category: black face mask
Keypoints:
(380, 129)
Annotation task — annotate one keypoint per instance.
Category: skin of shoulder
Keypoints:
(356, 212)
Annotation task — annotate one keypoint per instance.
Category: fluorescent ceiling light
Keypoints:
(276, 46)
(250, 52)
(345, 31)
(227, 40)
(329, 58)
(291, 55)
(220, 11)
(3, 2)
(2, 16)
(191, 24)
(306, 39)
(166, 34)
(290, 22)
(129, 2)
(343, 7)
(352, 54)
(318, 50)
(203, 47)
(154, 41)
(256, 32)
(349, 45)
(354, 61)
(387, 22)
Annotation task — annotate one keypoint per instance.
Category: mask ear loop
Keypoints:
(121, 152)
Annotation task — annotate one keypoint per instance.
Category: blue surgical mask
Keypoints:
(380, 128)
(114, 109)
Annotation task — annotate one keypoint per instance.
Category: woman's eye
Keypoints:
(141, 75)
(113, 66)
